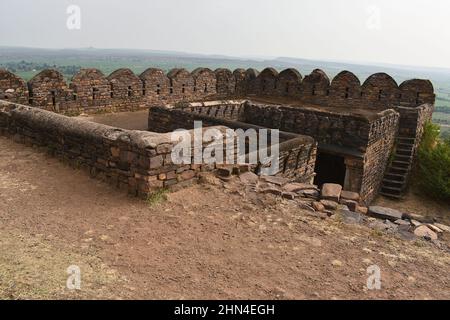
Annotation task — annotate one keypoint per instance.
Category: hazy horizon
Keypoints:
(402, 32)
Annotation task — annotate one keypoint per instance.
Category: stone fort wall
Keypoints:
(91, 91)
(139, 162)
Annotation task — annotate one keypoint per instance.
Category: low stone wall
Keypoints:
(136, 161)
(297, 153)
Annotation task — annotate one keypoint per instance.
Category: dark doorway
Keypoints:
(330, 168)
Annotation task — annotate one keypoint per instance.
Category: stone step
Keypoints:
(396, 182)
(406, 139)
(405, 145)
(398, 170)
(403, 157)
(403, 152)
(400, 164)
(392, 190)
(395, 177)
(389, 195)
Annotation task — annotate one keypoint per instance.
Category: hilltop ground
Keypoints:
(206, 241)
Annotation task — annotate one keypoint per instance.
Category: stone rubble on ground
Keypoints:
(329, 200)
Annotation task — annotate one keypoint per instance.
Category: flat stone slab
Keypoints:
(402, 222)
(279, 181)
(295, 187)
(350, 217)
(331, 191)
(313, 194)
(443, 227)
(349, 195)
(384, 213)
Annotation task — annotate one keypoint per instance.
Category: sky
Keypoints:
(407, 32)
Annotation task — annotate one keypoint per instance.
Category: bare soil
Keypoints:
(207, 241)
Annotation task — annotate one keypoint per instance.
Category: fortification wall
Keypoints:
(376, 159)
(136, 161)
(91, 91)
(348, 131)
(365, 142)
(297, 153)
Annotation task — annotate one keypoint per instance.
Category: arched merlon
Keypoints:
(12, 87)
(155, 84)
(315, 87)
(416, 92)
(181, 84)
(289, 82)
(125, 84)
(90, 87)
(379, 90)
(225, 81)
(266, 82)
(239, 81)
(47, 89)
(205, 82)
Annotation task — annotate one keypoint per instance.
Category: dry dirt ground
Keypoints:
(206, 241)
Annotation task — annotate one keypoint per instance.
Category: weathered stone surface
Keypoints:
(414, 216)
(386, 226)
(349, 195)
(306, 206)
(224, 171)
(361, 209)
(351, 204)
(331, 191)
(402, 222)
(434, 228)
(425, 232)
(295, 187)
(330, 205)
(271, 190)
(416, 223)
(289, 195)
(443, 227)
(313, 194)
(279, 181)
(384, 213)
(350, 217)
(318, 206)
(248, 177)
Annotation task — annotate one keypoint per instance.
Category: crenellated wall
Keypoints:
(91, 91)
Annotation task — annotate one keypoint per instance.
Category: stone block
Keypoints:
(384, 213)
(331, 191)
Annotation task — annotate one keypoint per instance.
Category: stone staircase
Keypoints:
(396, 176)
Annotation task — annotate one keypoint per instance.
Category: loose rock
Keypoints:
(425, 232)
(385, 213)
(318, 206)
(330, 205)
(331, 191)
(349, 195)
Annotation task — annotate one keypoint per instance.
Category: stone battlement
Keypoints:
(91, 91)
